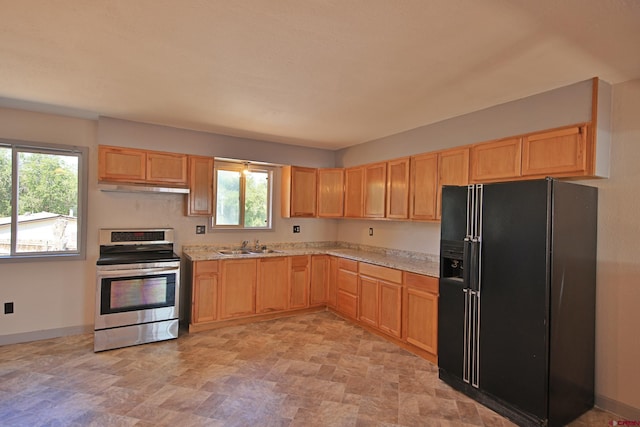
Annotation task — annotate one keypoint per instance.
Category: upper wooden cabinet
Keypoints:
(561, 152)
(200, 197)
(496, 161)
(121, 164)
(354, 192)
(398, 188)
(424, 186)
(117, 164)
(331, 193)
(298, 195)
(555, 153)
(453, 169)
(375, 181)
(167, 168)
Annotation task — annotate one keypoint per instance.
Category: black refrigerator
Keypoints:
(516, 315)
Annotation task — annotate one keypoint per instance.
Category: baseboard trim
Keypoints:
(45, 334)
(626, 412)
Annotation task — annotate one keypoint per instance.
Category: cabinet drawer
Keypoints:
(347, 264)
(425, 283)
(384, 273)
(299, 261)
(206, 267)
(347, 304)
(348, 281)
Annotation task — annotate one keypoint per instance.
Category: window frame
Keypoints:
(82, 154)
(240, 166)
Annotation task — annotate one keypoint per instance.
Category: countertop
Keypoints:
(414, 262)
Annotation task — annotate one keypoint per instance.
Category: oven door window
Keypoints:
(124, 294)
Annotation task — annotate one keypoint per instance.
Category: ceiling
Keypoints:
(321, 73)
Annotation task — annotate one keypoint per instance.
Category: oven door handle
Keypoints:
(137, 272)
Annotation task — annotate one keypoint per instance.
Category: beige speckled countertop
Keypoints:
(415, 262)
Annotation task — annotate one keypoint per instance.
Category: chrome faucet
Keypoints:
(244, 244)
(256, 244)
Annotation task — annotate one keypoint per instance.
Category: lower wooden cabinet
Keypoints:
(319, 285)
(380, 298)
(332, 284)
(400, 304)
(299, 281)
(272, 290)
(420, 312)
(204, 302)
(238, 288)
(347, 288)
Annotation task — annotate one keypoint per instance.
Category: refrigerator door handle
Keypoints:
(466, 357)
(466, 263)
(471, 267)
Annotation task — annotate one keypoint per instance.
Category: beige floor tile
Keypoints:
(311, 370)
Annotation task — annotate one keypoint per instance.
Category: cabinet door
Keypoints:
(420, 312)
(272, 291)
(453, 169)
(332, 292)
(496, 161)
(398, 188)
(354, 192)
(555, 153)
(375, 181)
(368, 301)
(424, 186)
(200, 197)
(390, 312)
(205, 292)
(299, 282)
(298, 192)
(319, 279)
(121, 164)
(238, 288)
(330, 193)
(166, 168)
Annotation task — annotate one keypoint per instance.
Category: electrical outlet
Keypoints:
(8, 308)
(201, 229)
(370, 231)
(296, 228)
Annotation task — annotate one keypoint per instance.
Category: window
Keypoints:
(42, 200)
(243, 196)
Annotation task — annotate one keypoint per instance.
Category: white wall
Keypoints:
(618, 270)
(49, 295)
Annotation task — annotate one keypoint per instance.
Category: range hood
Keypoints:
(134, 188)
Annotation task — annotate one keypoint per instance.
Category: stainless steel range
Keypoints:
(138, 288)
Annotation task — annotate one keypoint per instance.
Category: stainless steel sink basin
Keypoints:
(234, 252)
(264, 251)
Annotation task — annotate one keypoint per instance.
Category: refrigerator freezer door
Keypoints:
(515, 285)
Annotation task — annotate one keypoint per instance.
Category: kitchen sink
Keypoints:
(264, 251)
(235, 252)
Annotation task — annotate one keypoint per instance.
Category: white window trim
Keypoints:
(240, 165)
(83, 157)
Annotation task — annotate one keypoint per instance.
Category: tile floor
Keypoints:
(310, 370)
